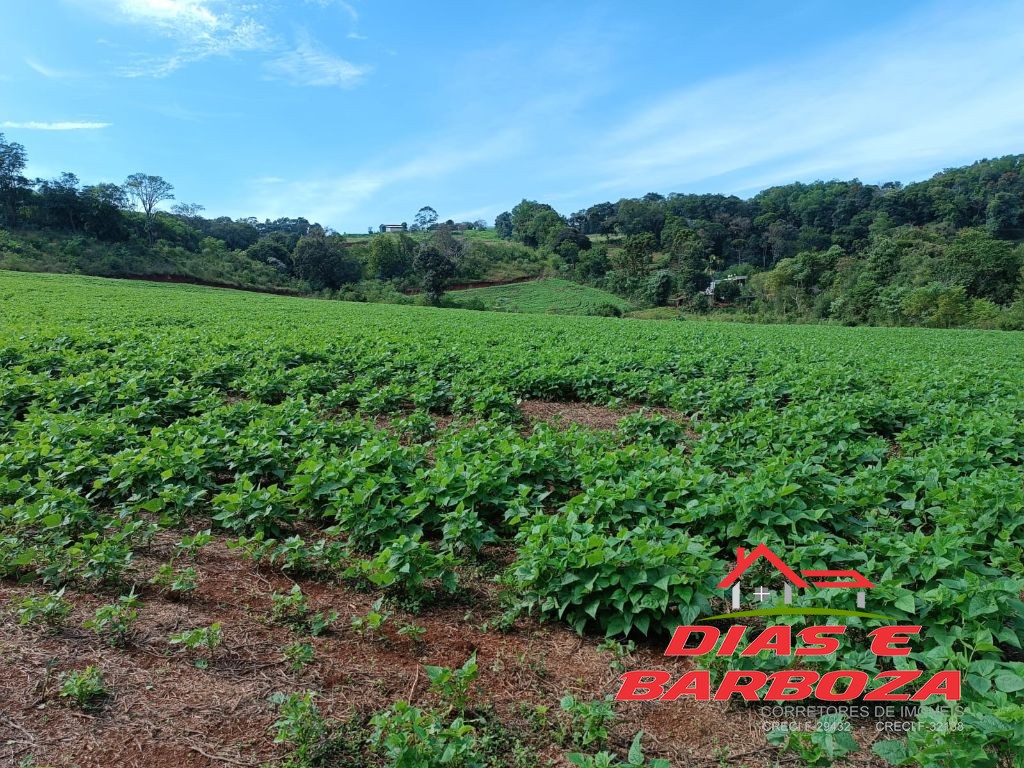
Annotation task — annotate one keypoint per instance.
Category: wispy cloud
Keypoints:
(332, 199)
(349, 8)
(917, 97)
(172, 14)
(311, 64)
(199, 29)
(52, 73)
(67, 125)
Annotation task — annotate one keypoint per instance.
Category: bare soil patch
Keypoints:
(589, 415)
(163, 711)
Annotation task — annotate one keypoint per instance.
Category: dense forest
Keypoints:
(945, 252)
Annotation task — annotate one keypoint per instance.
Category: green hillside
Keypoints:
(555, 296)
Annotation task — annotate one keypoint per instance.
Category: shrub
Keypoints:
(302, 727)
(416, 738)
(49, 610)
(292, 609)
(588, 721)
(605, 310)
(454, 685)
(984, 314)
(639, 578)
(114, 622)
(85, 688)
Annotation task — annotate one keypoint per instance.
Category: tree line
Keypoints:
(943, 252)
(125, 226)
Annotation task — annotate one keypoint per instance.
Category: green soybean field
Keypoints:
(257, 530)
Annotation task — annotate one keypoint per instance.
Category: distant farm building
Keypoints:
(710, 290)
(393, 227)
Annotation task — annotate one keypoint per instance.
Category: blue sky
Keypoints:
(357, 113)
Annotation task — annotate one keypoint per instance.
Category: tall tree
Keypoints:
(503, 225)
(434, 268)
(1003, 215)
(535, 224)
(60, 203)
(636, 254)
(148, 192)
(600, 219)
(985, 266)
(104, 204)
(13, 185)
(445, 242)
(425, 217)
(188, 211)
(389, 257)
(323, 260)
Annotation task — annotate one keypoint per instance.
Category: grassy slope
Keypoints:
(552, 295)
(40, 251)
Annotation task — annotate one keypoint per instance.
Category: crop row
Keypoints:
(386, 446)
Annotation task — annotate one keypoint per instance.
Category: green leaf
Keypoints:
(636, 751)
(979, 605)
(980, 684)
(906, 602)
(1008, 682)
(892, 751)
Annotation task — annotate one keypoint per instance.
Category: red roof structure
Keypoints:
(745, 560)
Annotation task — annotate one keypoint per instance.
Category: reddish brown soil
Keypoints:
(588, 415)
(164, 712)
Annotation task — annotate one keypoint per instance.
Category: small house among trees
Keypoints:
(710, 290)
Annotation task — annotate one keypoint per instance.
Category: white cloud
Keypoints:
(51, 72)
(346, 6)
(331, 199)
(942, 89)
(199, 29)
(310, 64)
(69, 125)
(173, 14)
